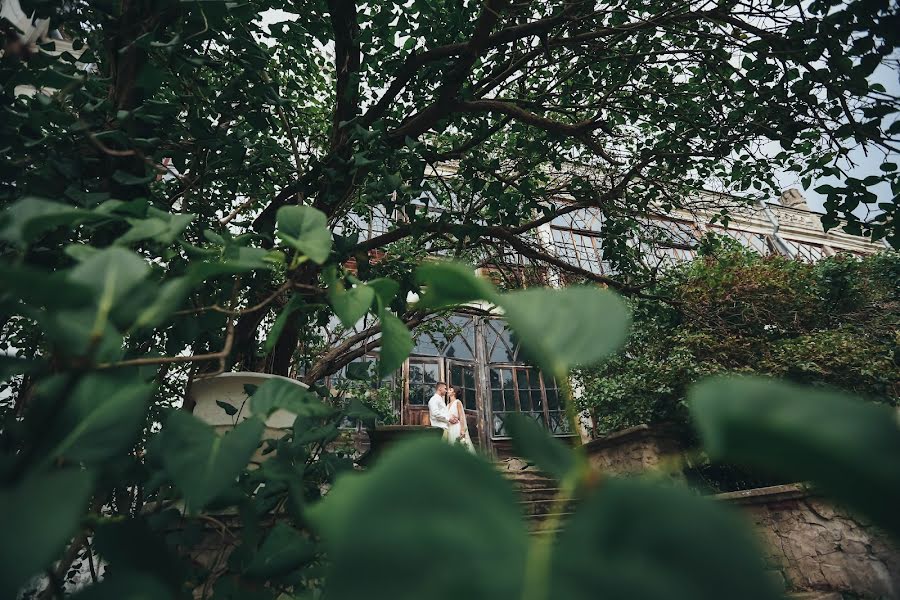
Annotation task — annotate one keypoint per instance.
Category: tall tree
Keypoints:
(183, 128)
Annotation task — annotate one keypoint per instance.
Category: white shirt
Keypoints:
(438, 412)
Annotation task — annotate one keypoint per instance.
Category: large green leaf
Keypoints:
(40, 288)
(163, 228)
(564, 328)
(445, 518)
(201, 463)
(38, 517)
(451, 284)
(848, 447)
(100, 417)
(26, 219)
(128, 586)
(294, 304)
(131, 546)
(350, 304)
(284, 550)
(385, 292)
(631, 540)
(168, 297)
(277, 394)
(305, 229)
(110, 274)
(396, 344)
(532, 441)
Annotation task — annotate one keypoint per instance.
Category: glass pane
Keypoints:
(461, 338)
(502, 351)
(507, 378)
(498, 427)
(495, 379)
(524, 393)
(431, 374)
(417, 395)
(537, 403)
(469, 378)
(552, 399)
(416, 374)
(425, 346)
(509, 398)
(456, 375)
(496, 400)
(471, 404)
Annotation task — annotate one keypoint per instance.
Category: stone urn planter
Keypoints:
(228, 388)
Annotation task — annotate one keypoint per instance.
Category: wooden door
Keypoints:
(421, 376)
(462, 376)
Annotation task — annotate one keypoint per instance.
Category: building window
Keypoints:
(462, 377)
(805, 251)
(515, 387)
(757, 242)
(424, 374)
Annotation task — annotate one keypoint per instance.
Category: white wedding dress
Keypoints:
(458, 433)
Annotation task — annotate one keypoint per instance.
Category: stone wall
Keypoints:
(810, 544)
(632, 450)
(813, 545)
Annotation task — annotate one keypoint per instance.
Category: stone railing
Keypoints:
(811, 544)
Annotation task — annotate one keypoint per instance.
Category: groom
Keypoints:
(438, 411)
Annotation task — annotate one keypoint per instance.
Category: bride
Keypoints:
(458, 433)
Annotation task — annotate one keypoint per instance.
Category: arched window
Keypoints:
(449, 337)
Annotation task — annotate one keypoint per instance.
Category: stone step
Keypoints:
(530, 480)
(538, 493)
(535, 523)
(544, 506)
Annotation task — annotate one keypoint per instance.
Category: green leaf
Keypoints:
(130, 586)
(100, 417)
(637, 541)
(385, 292)
(532, 441)
(848, 447)
(169, 297)
(553, 339)
(126, 178)
(26, 219)
(305, 229)
(451, 284)
(396, 344)
(350, 305)
(110, 274)
(41, 288)
(356, 409)
(455, 531)
(164, 228)
(228, 408)
(201, 463)
(43, 513)
(295, 303)
(360, 371)
(279, 393)
(284, 550)
(130, 547)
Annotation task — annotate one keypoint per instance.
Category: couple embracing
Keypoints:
(447, 412)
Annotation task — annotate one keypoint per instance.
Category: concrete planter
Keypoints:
(229, 388)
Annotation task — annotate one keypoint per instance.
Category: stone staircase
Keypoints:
(537, 495)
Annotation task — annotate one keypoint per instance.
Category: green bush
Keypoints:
(833, 323)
